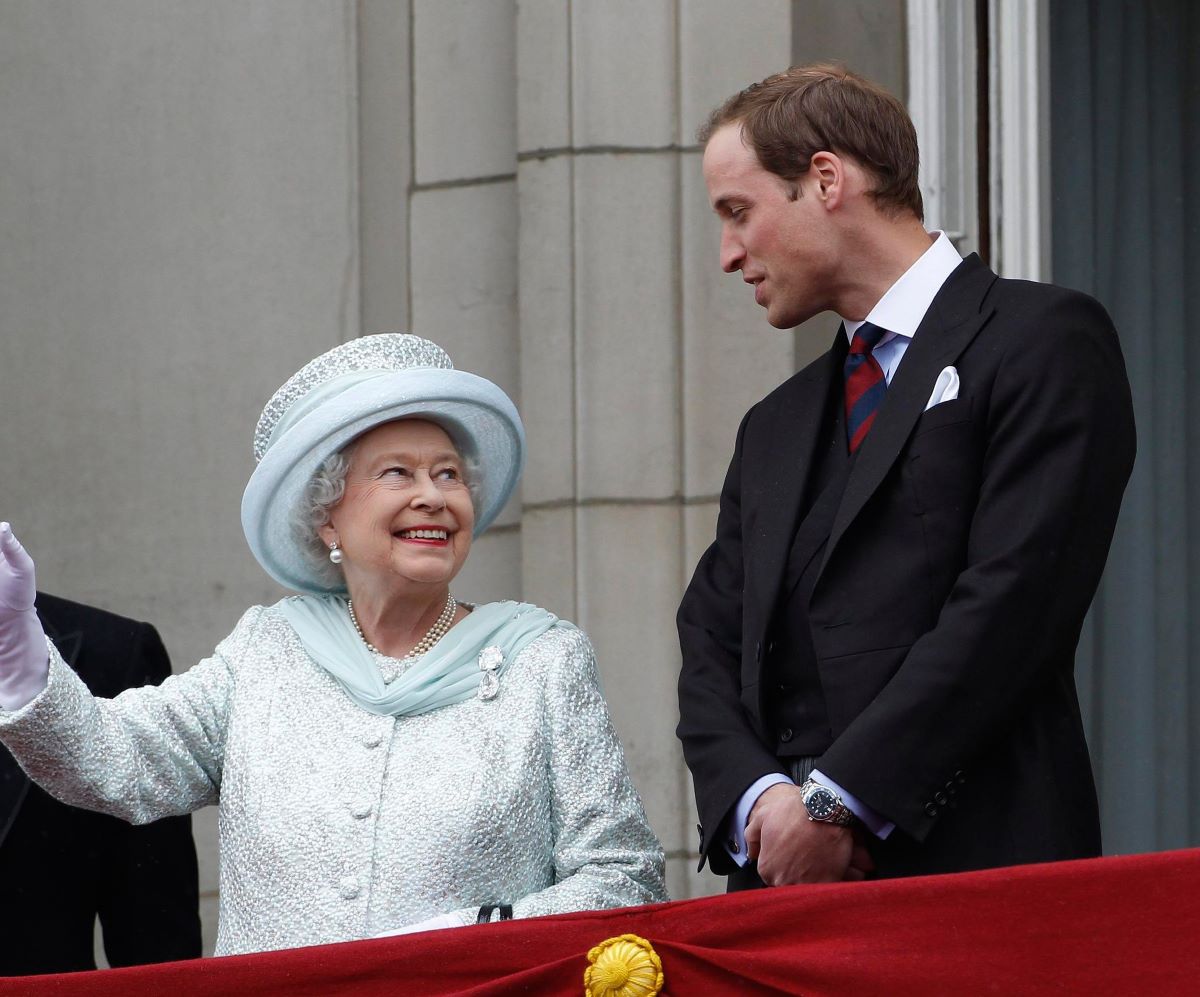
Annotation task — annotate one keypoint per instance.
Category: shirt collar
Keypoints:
(905, 303)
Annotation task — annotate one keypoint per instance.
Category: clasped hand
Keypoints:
(791, 848)
(23, 660)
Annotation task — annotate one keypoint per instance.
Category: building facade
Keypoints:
(198, 197)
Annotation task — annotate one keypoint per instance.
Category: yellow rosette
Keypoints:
(624, 966)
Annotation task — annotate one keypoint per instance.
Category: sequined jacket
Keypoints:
(338, 824)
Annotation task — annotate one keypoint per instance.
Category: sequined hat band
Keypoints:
(388, 351)
(318, 396)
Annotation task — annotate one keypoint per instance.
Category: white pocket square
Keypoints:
(945, 388)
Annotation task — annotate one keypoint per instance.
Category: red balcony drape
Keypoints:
(1126, 925)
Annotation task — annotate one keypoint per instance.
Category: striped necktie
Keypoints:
(865, 384)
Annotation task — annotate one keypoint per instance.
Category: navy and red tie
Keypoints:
(865, 384)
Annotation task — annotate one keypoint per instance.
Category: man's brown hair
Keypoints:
(789, 117)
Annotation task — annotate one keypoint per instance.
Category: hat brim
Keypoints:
(477, 415)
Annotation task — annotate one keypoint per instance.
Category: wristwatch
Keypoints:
(823, 804)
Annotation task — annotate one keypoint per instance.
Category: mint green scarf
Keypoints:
(448, 673)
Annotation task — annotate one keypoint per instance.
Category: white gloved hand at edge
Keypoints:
(24, 663)
(429, 924)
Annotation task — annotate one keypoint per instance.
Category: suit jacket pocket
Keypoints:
(944, 459)
(943, 414)
(852, 681)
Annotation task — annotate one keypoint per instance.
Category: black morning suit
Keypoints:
(61, 866)
(910, 615)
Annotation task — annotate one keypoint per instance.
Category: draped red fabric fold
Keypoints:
(1115, 925)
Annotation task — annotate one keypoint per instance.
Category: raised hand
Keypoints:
(24, 663)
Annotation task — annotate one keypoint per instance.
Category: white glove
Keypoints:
(24, 663)
(429, 924)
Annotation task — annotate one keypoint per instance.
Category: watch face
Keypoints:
(821, 803)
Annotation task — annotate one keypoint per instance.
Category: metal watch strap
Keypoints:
(841, 814)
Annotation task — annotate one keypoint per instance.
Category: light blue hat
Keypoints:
(346, 392)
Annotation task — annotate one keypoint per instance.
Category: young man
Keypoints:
(878, 647)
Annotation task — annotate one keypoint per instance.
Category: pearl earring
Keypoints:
(335, 553)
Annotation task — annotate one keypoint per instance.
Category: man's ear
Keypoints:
(828, 173)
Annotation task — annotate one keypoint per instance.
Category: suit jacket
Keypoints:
(949, 592)
(61, 867)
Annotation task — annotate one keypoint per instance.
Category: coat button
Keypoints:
(360, 809)
(700, 833)
(785, 734)
(372, 740)
(931, 809)
(940, 798)
(733, 846)
(349, 888)
(960, 777)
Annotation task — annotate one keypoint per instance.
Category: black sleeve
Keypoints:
(721, 748)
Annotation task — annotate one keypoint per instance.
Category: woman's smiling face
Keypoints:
(406, 516)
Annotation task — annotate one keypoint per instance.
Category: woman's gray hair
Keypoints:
(325, 490)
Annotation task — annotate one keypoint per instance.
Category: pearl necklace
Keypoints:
(439, 629)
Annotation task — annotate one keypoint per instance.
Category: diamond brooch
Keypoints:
(490, 659)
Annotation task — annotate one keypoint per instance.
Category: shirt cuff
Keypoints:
(878, 825)
(735, 841)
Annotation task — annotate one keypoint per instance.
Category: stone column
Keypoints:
(638, 357)
(462, 251)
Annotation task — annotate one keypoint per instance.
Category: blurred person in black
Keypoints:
(61, 867)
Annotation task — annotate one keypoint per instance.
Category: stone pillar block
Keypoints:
(385, 161)
(464, 276)
(626, 326)
(723, 48)
(623, 73)
(543, 74)
(547, 318)
(628, 585)
(493, 568)
(731, 356)
(548, 560)
(464, 83)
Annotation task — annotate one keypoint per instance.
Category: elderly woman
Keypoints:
(384, 757)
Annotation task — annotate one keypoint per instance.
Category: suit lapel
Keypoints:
(791, 448)
(953, 320)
